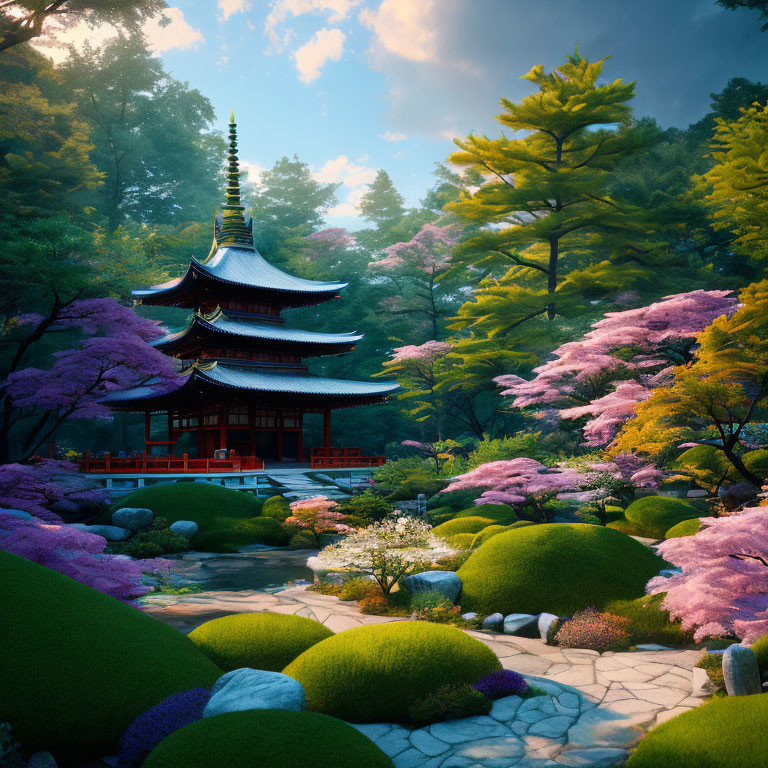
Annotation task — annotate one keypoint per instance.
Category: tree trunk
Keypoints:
(554, 252)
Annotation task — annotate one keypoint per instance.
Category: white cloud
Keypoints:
(310, 58)
(252, 171)
(338, 10)
(403, 28)
(393, 136)
(349, 207)
(177, 34)
(354, 179)
(228, 7)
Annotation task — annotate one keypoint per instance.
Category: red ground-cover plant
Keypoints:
(594, 631)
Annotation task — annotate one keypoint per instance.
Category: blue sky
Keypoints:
(351, 86)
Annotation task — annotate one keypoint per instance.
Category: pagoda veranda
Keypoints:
(245, 387)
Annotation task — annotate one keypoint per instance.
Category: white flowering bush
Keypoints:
(387, 550)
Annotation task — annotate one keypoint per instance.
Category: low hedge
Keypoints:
(462, 525)
(267, 738)
(650, 622)
(258, 640)
(686, 528)
(277, 507)
(555, 567)
(78, 666)
(499, 513)
(411, 489)
(256, 530)
(375, 673)
(652, 516)
(456, 500)
(727, 732)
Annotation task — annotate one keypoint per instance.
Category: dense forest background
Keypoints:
(110, 173)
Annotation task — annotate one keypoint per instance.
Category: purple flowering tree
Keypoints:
(111, 354)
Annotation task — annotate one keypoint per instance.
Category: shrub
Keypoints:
(649, 622)
(760, 647)
(158, 540)
(499, 513)
(398, 471)
(376, 673)
(258, 640)
(451, 702)
(707, 465)
(267, 738)
(757, 462)
(428, 601)
(256, 530)
(594, 631)
(556, 567)
(653, 516)
(412, 488)
(302, 540)
(357, 588)
(727, 732)
(276, 507)
(150, 728)
(210, 506)
(471, 525)
(455, 500)
(523, 444)
(366, 507)
(82, 666)
(374, 605)
(713, 664)
(497, 685)
(686, 528)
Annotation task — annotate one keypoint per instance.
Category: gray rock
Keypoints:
(668, 573)
(109, 532)
(494, 622)
(734, 496)
(17, 513)
(548, 624)
(469, 616)
(698, 493)
(186, 528)
(445, 582)
(742, 676)
(133, 518)
(520, 623)
(247, 688)
(42, 760)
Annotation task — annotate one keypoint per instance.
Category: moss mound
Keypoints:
(440, 515)
(456, 500)
(556, 567)
(725, 733)
(255, 530)
(757, 462)
(493, 530)
(82, 666)
(277, 507)
(462, 540)
(258, 640)
(707, 465)
(686, 528)
(650, 622)
(462, 525)
(760, 647)
(375, 673)
(499, 513)
(652, 516)
(210, 506)
(267, 738)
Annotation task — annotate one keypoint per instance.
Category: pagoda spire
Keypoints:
(234, 230)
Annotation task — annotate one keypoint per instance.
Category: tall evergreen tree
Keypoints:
(382, 204)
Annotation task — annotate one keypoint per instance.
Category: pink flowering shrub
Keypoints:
(77, 554)
(594, 631)
(318, 516)
(723, 587)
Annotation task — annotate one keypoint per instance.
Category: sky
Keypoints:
(351, 86)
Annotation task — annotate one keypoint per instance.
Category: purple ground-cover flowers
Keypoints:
(503, 683)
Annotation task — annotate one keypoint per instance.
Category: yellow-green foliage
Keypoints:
(556, 567)
(374, 674)
(493, 530)
(757, 462)
(499, 513)
(267, 738)
(727, 732)
(462, 540)
(650, 622)
(255, 530)
(707, 465)
(462, 525)
(257, 640)
(686, 528)
(277, 507)
(652, 516)
(78, 667)
(760, 647)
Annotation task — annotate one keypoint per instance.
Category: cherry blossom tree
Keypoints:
(619, 362)
(113, 354)
(723, 587)
(318, 516)
(77, 554)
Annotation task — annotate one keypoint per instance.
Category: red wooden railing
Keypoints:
(342, 458)
(144, 463)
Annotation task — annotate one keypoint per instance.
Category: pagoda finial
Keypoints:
(233, 227)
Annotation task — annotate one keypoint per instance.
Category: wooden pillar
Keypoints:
(223, 427)
(252, 429)
(327, 429)
(200, 438)
(170, 432)
(147, 430)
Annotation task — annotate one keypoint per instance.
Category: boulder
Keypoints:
(17, 513)
(697, 493)
(247, 688)
(548, 624)
(42, 760)
(740, 671)
(186, 528)
(668, 573)
(469, 616)
(494, 622)
(109, 532)
(445, 582)
(64, 507)
(520, 624)
(133, 518)
(734, 496)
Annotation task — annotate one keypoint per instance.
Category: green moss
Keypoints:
(462, 525)
(757, 462)
(493, 530)
(760, 647)
(277, 507)
(257, 640)
(210, 506)
(376, 673)
(650, 622)
(78, 666)
(462, 540)
(410, 489)
(441, 515)
(653, 516)
(267, 738)
(499, 513)
(727, 732)
(686, 528)
(303, 539)
(456, 500)
(556, 567)
(256, 530)
(707, 465)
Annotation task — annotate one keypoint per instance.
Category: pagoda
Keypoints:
(245, 386)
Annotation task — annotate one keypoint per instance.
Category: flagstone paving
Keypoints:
(596, 706)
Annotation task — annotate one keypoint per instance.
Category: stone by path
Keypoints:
(595, 708)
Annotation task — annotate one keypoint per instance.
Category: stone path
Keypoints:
(595, 708)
